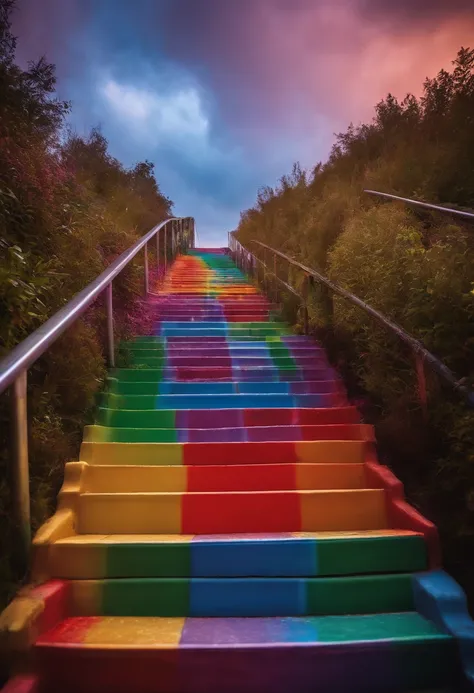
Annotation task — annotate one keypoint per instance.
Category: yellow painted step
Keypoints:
(134, 479)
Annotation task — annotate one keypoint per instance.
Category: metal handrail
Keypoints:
(234, 245)
(422, 355)
(14, 367)
(424, 205)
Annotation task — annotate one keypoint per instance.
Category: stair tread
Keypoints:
(280, 492)
(158, 632)
(267, 537)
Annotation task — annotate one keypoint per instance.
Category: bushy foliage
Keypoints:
(416, 268)
(67, 209)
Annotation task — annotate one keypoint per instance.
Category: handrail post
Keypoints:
(275, 277)
(165, 230)
(147, 277)
(21, 474)
(110, 325)
(173, 240)
(328, 304)
(421, 380)
(158, 250)
(305, 304)
(265, 270)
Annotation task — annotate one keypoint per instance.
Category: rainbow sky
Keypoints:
(224, 95)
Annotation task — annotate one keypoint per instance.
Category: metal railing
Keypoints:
(250, 263)
(175, 235)
(423, 205)
(245, 260)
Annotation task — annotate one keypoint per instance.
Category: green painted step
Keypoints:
(255, 597)
(332, 556)
(107, 434)
(135, 418)
(118, 387)
(402, 627)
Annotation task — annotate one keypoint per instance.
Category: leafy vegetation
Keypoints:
(67, 209)
(417, 268)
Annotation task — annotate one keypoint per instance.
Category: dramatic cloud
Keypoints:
(415, 12)
(225, 94)
(177, 115)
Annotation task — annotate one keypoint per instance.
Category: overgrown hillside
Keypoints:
(416, 268)
(67, 209)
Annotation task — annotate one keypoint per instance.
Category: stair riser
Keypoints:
(244, 597)
(225, 317)
(250, 350)
(250, 373)
(227, 513)
(129, 432)
(227, 332)
(269, 387)
(246, 418)
(192, 479)
(222, 303)
(262, 328)
(229, 361)
(338, 452)
(123, 433)
(339, 668)
(239, 401)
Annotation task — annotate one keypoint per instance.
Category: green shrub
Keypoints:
(416, 268)
(67, 210)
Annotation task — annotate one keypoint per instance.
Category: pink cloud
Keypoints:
(275, 65)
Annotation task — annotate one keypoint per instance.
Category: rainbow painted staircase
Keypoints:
(228, 528)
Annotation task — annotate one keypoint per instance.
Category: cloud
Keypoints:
(178, 114)
(225, 94)
(415, 13)
(286, 66)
